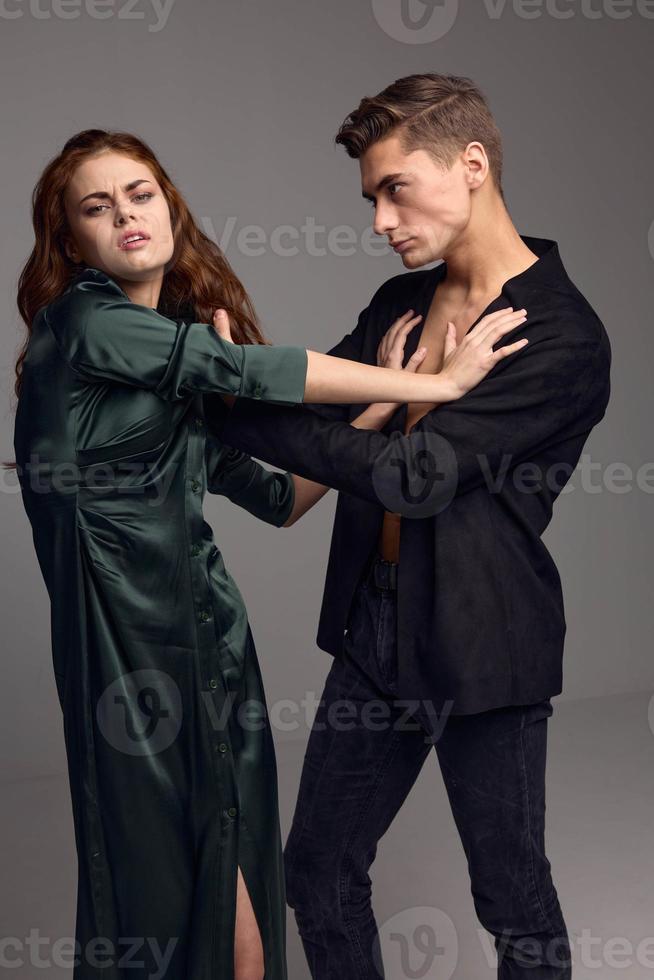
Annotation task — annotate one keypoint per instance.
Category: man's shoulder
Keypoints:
(573, 317)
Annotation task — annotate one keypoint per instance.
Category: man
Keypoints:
(442, 605)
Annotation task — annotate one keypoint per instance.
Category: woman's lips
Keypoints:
(135, 244)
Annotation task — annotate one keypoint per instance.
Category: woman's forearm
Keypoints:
(335, 379)
(307, 494)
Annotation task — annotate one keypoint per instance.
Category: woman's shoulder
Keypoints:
(88, 285)
(86, 294)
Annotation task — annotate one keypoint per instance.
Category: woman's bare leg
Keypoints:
(248, 948)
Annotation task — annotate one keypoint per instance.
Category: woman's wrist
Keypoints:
(446, 389)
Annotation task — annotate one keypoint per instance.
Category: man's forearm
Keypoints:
(308, 492)
(375, 416)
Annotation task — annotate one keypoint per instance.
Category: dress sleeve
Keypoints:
(264, 493)
(105, 337)
(554, 389)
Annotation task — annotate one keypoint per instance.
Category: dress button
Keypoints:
(195, 486)
(213, 683)
(222, 747)
(199, 422)
(195, 550)
(204, 615)
(257, 390)
(232, 811)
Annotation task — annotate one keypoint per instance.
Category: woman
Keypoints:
(173, 786)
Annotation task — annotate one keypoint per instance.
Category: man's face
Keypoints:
(125, 199)
(417, 202)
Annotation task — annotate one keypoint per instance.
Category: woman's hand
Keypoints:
(222, 327)
(465, 364)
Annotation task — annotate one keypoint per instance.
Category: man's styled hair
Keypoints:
(437, 113)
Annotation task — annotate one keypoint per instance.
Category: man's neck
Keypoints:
(488, 253)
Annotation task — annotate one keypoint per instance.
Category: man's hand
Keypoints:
(390, 354)
(222, 326)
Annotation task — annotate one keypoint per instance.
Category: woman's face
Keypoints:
(110, 197)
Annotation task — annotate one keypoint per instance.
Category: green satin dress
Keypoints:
(171, 760)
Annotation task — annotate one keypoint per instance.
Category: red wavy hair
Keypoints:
(198, 279)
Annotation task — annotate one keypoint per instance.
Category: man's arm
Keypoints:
(556, 387)
(308, 492)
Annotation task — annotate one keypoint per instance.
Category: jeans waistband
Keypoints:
(383, 573)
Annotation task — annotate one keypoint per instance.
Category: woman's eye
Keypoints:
(96, 209)
(393, 185)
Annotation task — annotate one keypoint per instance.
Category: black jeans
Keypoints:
(360, 763)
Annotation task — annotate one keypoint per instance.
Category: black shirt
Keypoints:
(481, 620)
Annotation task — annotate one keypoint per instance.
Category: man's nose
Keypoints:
(385, 220)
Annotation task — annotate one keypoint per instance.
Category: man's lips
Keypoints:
(401, 246)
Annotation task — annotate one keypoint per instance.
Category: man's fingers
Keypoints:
(405, 323)
(399, 323)
(415, 359)
(402, 331)
(222, 324)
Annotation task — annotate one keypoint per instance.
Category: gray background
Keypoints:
(241, 103)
